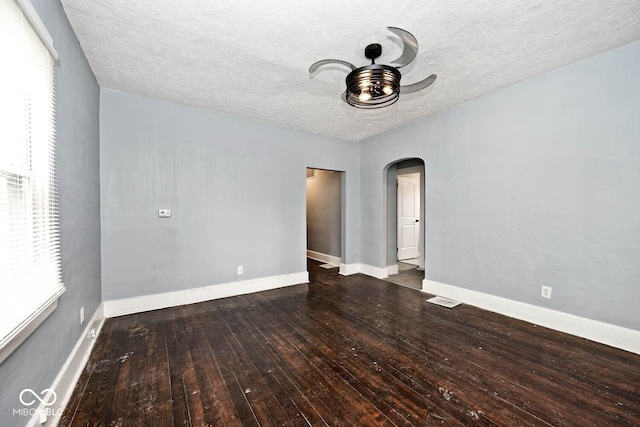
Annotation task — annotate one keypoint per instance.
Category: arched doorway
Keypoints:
(406, 222)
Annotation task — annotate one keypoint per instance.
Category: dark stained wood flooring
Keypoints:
(352, 351)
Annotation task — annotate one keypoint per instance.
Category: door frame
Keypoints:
(343, 191)
(390, 173)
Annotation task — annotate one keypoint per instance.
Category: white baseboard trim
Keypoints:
(319, 256)
(377, 272)
(125, 306)
(68, 376)
(604, 333)
(349, 269)
(369, 270)
(393, 269)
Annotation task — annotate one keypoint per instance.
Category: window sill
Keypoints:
(22, 332)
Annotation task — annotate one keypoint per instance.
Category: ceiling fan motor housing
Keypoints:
(373, 86)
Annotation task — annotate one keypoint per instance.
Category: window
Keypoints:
(30, 278)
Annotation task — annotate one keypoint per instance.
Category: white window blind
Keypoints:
(30, 279)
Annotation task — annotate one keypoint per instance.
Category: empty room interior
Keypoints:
(254, 214)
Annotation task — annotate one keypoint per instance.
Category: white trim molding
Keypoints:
(30, 324)
(377, 272)
(319, 256)
(604, 333)
(349, 269)
(393, 269)
(68, 376)
(139, 304)
(35, 21)
(369, 270)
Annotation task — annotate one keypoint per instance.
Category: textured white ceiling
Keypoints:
(251, 59)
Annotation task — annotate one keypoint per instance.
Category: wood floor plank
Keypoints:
(229, 370)
(330, 396)
(369, 346)
(472, 353)
(146, 397)
(315, 352)
(377, 387)
(260, 395)
(177, 366)
(218, 407)
(347, 351)
(547, 377)
(104, 394)
(289, 398)
(536, 377)
(310, 409)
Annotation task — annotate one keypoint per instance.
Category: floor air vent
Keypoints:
(445, 302)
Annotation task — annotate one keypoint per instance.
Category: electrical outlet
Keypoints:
(93, 333)
(546, 292)
(164, 213)
(81, 315)
(240, 270)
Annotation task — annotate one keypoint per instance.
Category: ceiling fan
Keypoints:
(376, 85)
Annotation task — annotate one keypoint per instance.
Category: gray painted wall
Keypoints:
(323, 212)
(38, 360)
(236, 188)
(535, 184)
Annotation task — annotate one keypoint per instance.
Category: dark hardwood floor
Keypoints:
(352, 351)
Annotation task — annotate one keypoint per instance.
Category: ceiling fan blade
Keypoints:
(422, 84)
(319, 64)
(410, 49)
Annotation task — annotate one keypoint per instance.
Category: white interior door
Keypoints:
(408, 216)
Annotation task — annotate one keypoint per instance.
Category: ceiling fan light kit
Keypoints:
(373, 86)
(376, 85)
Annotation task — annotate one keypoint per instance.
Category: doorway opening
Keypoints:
(406, 222)
(325, 217)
